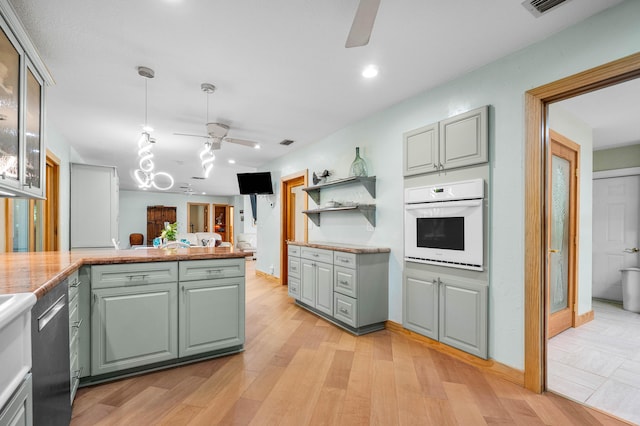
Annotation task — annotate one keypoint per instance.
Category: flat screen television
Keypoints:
(255, 183)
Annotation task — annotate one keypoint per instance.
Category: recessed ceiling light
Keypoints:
(257, 146)
(370, 71)
(204, 193)
(232, 161)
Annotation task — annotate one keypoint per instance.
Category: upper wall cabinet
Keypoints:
(458, 141)
(22, 149)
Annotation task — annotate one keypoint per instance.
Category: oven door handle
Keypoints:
(444, 204)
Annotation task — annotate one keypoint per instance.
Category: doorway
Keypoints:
(157, 217)
(536, 101)
(293, 223)
(562, 247)
(51, 203)
(197, 217)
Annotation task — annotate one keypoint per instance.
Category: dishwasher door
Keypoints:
(50, 358)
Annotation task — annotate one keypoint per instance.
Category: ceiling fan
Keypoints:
(217, 132)
(362, 23)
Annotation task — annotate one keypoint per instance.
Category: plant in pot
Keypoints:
(169, 232)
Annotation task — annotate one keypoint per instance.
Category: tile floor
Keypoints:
(598, 363)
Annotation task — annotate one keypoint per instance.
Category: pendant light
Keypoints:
(144, 174)
(206, 155)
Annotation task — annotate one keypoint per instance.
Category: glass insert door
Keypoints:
(9, 95)
(561, 234)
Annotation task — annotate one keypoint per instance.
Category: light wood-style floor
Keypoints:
(298, 369)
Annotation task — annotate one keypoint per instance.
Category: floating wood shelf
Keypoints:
(367, 210)
(368, 182)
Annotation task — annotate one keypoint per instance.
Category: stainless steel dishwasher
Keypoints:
(50, 358)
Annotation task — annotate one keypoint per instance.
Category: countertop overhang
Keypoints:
(39, 272)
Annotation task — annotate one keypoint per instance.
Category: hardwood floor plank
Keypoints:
(464, 406)
(298, 369)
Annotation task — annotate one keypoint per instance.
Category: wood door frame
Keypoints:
(51, 222)
(536, 100)
(286, 183)
(207, 213)
(574, 221)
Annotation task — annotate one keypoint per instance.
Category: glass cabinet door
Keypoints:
(9, 107)
(32, 141)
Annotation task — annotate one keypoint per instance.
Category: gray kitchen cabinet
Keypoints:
(133, 322)
(458, 141)
(22, 100)
(211, 311)
(74, 332)
(293, 271)
(447, 309)
(420, 310)
(18, 410)
(420, 154)
(345, 288)
(84, 318)
(94, 206)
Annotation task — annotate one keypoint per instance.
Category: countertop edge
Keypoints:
(342, 248)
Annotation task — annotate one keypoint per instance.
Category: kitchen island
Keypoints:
(105, 314)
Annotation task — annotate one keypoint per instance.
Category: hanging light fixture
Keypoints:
(206, 155)
(144, 174)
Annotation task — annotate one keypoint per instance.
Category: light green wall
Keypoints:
(610, 35)
(616, 158)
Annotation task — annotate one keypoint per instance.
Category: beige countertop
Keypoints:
(347, 248)
(39, 272)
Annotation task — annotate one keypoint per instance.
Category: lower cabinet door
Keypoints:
(463, 317)
(211, 315)
(133, 326)
(308, 282)
(420, 310)
(294, 287)
(346, 309)
(18, 411)
(324, 288)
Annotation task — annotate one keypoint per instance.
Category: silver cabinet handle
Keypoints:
(76, 283)
(343, 282)
(315, 255)
(344, 310)
(214, 271)
(344, 260)
(77, 373)
(631, 250)
(77, 324)
(50, 313)
(139, 277)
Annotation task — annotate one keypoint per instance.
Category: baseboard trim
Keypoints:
(508, 373)
(582, 319)
(268, 277)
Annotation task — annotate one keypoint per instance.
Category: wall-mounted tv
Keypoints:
(255, 183)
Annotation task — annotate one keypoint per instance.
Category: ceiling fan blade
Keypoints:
(192, 135)
(242, 142)
(363, 23)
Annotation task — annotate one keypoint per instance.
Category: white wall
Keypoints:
(610, 35)
(133, 210)
(579, 132)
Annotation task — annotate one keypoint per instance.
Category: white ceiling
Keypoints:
(280, 67)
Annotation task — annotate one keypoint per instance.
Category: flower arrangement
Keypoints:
(169, 232)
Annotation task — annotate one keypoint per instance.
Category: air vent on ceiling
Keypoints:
(197, 177)
(286, 142)
(540, 7)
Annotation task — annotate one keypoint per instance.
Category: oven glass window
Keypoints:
(441, 233)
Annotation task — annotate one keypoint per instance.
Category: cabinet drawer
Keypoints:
(74, 283)
(294, 267)
(344, 281)
(320, 255)
(348, 260)
(345, 309)
(293, 250)
(294, 288)
(193, 270)
(107, 276)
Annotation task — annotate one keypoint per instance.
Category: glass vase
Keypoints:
(359, 166)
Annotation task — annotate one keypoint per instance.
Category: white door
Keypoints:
(616, 208)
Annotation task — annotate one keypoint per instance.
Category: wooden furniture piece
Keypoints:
(136, 239)
(458, 141)
(347, 286)
(157, 216)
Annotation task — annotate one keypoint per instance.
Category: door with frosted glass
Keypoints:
(562, 196)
